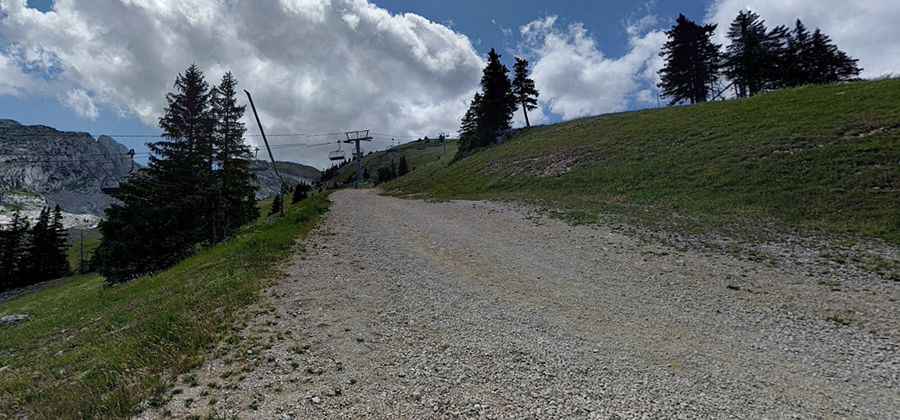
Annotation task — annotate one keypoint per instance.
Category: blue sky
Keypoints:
(322, 66)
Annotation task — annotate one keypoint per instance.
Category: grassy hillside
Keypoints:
(418, 154)
(92, 351)
(821, 158)
(92, 239)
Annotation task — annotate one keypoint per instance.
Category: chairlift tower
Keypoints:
(356, 137)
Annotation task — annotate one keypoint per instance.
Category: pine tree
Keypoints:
(746, 58)
(163, 211)
(814, 59)
(183, 162)
(13, 248)
(402, 167)
(491, 110)
(497, 101)
(830, 64)
(779, 60)
(250, 209)
(468, 130)
(38, 257)
(235, 180)
(797, 60)
(692, 62)
(57, 247)
(299, 193)
(277, 205)
(523, 89)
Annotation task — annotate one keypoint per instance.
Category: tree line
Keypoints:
(392, 171)
(197, 188)
(756, 60)
(32, 254)
(491, 110)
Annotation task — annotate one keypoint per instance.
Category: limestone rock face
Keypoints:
(64, 168)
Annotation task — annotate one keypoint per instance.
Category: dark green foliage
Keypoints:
(57, 247)
(251, 210)
(490, 113)
(46, 258)
(196, 189)
(35, 254)
(827, 63)
(468, 131)
(752, 54)
(277, 205)
(758, 60)
(13, 248)
(300, 193)
(234, 178)
(523, 89)
(692, 62)
(387, 173)
(402, 167)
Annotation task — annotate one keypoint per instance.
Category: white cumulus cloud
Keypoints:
(576, 79)
(865, 29)
(313, 65)
(79, 101)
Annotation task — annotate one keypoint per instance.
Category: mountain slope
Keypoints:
(418, 154)
(823, 158)
(64, 168)
(293, 173)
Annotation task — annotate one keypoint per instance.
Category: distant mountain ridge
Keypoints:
(293, 174)
(65, 168)
(72, 168)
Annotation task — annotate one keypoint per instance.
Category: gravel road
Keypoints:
(410, 309)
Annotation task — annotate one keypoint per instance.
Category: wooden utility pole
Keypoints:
(356, 137)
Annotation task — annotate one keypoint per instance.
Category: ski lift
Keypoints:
(337, 154)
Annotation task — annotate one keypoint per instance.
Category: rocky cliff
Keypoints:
(65, 168)
(293, 173)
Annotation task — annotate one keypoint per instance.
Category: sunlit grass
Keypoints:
(823, 158)
(96, 351)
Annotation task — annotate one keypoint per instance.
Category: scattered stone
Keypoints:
(13, 319)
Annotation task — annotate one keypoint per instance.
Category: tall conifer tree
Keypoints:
(57, 247)
(162, 210)
(692, 62)
(497, 102)
(233, 156)
(523, 89)
(746, 58)
(13, 249)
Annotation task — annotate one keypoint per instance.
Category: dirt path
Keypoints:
(408, 309)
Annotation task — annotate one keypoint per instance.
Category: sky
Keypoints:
(403, 69)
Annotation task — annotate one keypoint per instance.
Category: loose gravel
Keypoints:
(410, 309)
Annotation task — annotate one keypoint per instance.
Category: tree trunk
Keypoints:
(525, 111)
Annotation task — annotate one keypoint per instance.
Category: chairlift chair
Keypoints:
(337, 154)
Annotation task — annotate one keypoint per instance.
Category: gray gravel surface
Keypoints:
(409, 309)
